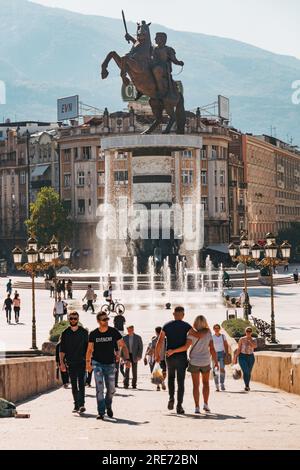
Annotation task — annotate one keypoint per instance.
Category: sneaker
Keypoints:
(158, 388)
(82, 409)
(126, 387)
(66, 385)
(206, 408)
(171, 404)
(110, 413)
(180, 410)
(247, 389)
(197, 410)
(75, 410)
(163, 386)
(217, 388)
(223, 388)
(100, 417)
(134, 387)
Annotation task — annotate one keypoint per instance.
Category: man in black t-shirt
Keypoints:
(7, 306)
(175, 334)
(73, 346)
(119, 322)
(103, 344)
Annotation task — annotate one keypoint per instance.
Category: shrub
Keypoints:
(236, 328)
(57, 330)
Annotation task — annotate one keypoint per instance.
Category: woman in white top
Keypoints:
(221, 348)
(201, 352)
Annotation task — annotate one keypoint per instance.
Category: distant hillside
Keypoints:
(47, 53)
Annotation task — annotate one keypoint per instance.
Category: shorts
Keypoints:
(194, 369)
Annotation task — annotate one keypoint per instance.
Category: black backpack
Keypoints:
(105, 293)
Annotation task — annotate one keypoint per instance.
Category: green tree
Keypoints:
(292, 234)
(49, 217)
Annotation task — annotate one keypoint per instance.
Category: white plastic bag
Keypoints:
(157, 375)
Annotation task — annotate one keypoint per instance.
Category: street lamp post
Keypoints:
(270, 260)
(244, 257)
(38, 260)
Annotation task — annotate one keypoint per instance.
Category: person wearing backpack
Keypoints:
(221, 348)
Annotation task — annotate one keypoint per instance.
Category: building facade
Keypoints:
(272, 171)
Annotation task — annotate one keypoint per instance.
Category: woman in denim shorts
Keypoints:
(201, 352)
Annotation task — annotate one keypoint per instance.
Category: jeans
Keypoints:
(246, 362)
(134, 373)
(104, 375)
(17, 314)
(8, 315)
(119, 367)
(88, 378)
(90, 305)
(59, 318)
(77, 376)
(221, 357)
(177, 365)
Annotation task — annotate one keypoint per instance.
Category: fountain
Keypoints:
(151, 272)
(135, 274)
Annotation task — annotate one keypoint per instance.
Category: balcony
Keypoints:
(40, 184)
(243, 185)
(241, 209)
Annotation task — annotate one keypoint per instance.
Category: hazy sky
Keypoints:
(270, 24)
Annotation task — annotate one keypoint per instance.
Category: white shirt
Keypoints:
(219, 343)
(59, 307)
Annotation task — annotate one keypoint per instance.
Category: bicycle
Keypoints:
(227, 284)
(113, 307)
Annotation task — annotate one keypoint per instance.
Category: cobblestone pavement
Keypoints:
(263, 419)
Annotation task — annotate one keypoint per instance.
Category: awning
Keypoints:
(40, 170)
(222, 248)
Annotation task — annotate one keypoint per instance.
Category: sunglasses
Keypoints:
(104, 319)
(73, 318)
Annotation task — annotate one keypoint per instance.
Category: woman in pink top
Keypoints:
(17, 307)
(245, 355)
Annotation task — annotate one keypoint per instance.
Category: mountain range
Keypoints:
(48, 53)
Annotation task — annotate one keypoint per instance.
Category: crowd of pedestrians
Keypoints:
(176, 348)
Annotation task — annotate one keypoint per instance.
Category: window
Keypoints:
(204, 202)
(101, 178)
(67, 155)
(100, 153)
(214, 152)
(121, 155)
(187, 154)
(68, 206)
(222, 177)
(204, 178)
(216, 205)
(216, 177)
(86, 153)
(67, 180)
(76, 153)
(22, 177)
(80, 178)
(81, 206)
(187, 177)
(222, 204)
(121, 177)
(203, 152)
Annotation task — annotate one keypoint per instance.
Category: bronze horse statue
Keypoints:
(138, 65)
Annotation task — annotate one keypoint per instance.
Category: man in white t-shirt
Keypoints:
(59, 310)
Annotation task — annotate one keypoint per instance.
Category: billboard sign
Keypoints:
(129, 93)
(224, 110)
(68, 108)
